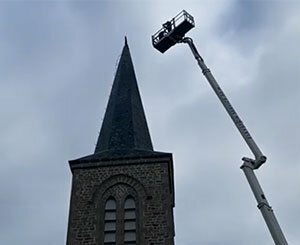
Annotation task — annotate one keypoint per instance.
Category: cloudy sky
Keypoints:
(57, 63)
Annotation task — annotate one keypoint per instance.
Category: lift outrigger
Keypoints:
(173, 32)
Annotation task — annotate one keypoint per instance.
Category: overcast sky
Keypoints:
(57, 64)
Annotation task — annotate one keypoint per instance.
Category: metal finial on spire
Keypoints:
(126, 41)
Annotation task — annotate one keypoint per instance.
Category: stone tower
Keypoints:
(124, 192)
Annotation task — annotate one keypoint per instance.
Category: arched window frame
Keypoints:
(107, 189)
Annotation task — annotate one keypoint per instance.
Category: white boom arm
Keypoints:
(249, 164)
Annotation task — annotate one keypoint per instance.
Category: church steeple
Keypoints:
(124, 192)
(124, 126)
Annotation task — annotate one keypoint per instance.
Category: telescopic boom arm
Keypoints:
(249, 164)
(173, 32)
(259, 157)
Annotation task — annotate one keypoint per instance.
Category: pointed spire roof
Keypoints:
(124, 125)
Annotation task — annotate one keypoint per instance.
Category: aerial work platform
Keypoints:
(173, 31)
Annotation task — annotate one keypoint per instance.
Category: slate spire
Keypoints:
(124, 125)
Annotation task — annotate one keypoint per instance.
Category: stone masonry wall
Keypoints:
(148, 183)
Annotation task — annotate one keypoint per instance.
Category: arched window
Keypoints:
(129, 221)
(110, 218)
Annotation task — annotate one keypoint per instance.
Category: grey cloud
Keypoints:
(246, 16)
